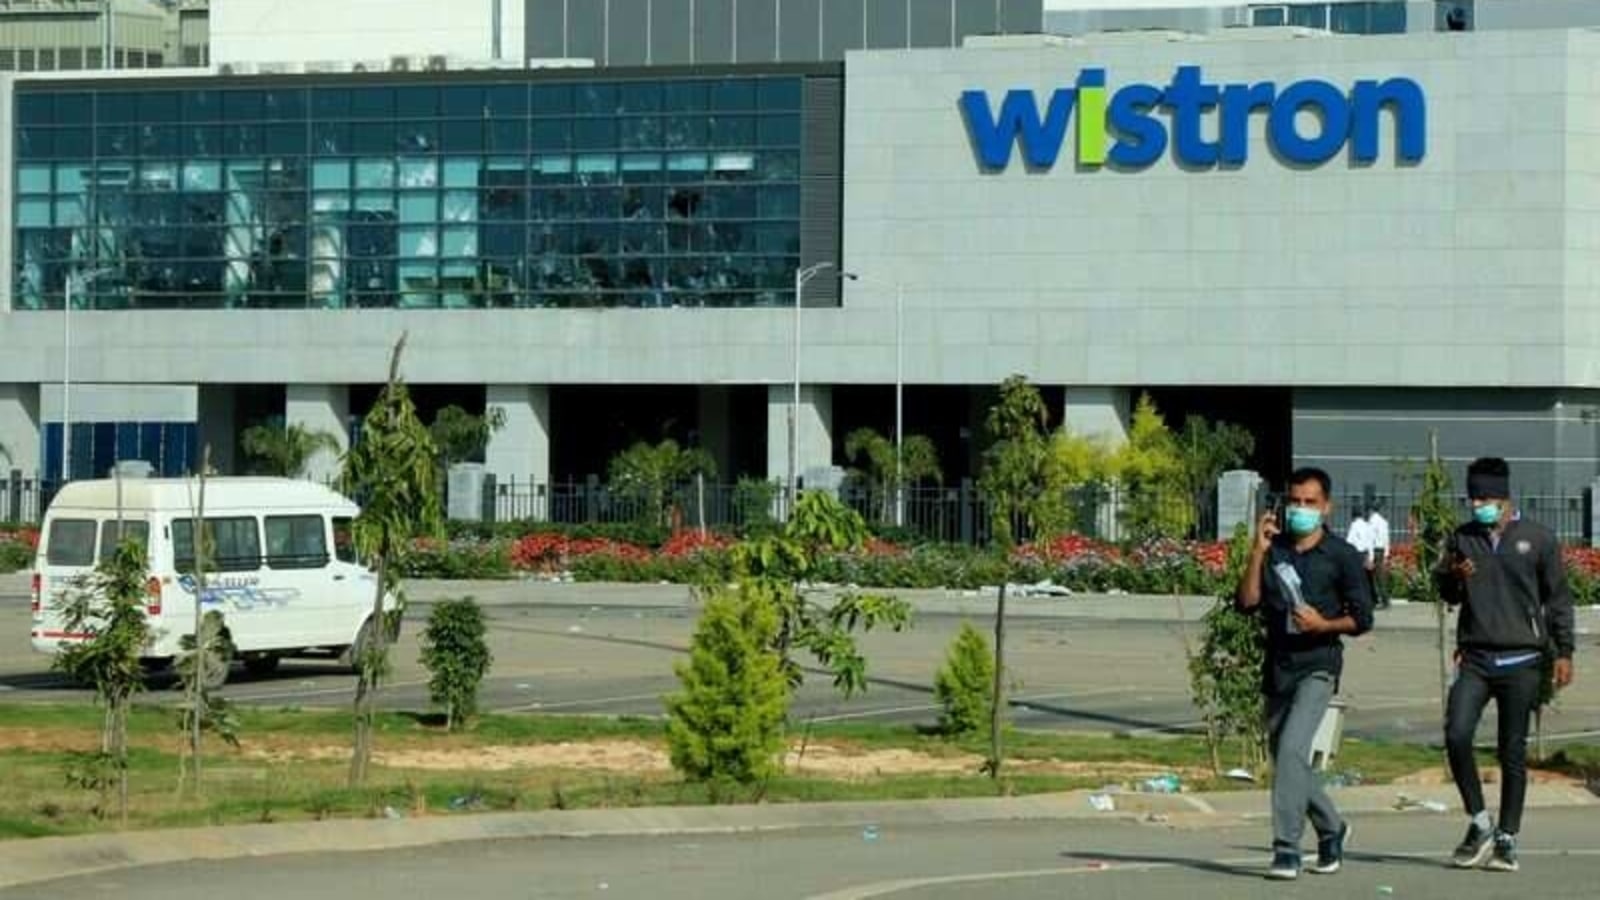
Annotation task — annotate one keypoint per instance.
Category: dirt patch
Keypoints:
(33, 740)
(1439, 777)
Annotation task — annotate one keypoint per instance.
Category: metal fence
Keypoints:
(955, 513)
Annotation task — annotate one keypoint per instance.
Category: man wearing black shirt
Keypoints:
(1312, 588)
(1505, 573)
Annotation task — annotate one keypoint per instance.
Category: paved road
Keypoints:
(1113, 665)
(1393, 855)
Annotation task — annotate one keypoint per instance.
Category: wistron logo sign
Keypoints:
(1129, 128)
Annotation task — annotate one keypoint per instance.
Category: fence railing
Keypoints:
(955, 513)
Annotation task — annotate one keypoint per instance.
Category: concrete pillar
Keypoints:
(520, 450)
(816, 431)
(320, 407)
(715, 423)
(219, 426)
(1098, 411)
(19, 428)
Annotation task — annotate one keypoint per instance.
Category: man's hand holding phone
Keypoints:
(1267, 528)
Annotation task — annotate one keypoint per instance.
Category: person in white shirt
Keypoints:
(1363, 537)
(1378, 530)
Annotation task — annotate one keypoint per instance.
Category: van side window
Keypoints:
(235, 544)
(70, 542)
(296, 542)
(139, 531)
(344, 541)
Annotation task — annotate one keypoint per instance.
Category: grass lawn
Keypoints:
(292, 767)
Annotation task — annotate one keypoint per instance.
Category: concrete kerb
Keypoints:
(27, 861)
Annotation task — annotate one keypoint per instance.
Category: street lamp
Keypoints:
(801, 276)
(899, 399)
(79, 278)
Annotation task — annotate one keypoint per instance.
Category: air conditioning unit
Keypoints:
(438, 62)
(399, 63)
(236, 68)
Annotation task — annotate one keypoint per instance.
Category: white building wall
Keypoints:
(287, 31)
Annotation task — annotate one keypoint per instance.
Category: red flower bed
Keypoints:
(685, 543)
(26, 537)
(554, 552)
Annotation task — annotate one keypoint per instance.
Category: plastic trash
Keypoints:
(1102, 803)
(1435, 806)
(1385, 890)
(1240, 775)
(390, 812)
(466, 802)
(1161, 784)
(574, 629)
(869, 833)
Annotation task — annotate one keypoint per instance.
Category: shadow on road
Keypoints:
(1180, 862)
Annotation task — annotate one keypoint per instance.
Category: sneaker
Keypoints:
(1504, 857)
(1285, 865)
(1474, 848)
(1330, 851)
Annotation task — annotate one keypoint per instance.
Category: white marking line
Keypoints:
(886, 888)
(599, 701)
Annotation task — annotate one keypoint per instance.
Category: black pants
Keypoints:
(1515, 690)
(1380, 578)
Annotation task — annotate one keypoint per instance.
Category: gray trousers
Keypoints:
(1292, 720)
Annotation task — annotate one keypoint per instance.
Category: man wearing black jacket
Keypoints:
(1505, 573)
(1311, 587)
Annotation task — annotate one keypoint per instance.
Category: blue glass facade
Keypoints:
(332, 194)
(170, 447)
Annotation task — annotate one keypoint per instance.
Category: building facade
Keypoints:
(1341, 242)
(71, 35)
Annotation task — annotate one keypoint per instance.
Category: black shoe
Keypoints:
(1285, 865)
(1330, 851)
(1504, 857)
(1474, 848)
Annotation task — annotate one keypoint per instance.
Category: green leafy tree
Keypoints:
(1151, 472)
(392, 473)
(462, 436)
(275, 449)
(726, 725)
(200, 667)
(1206, 450)
(962, 686)
(772, 569)
(1078, 474)
(1225, 674)
(455, 651)
(1436, 520)
(753, 500)
(649, 474)
(887, 473)
(1016, 484)
(110, 610)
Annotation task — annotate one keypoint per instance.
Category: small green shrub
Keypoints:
(455, 651)
(964, 684)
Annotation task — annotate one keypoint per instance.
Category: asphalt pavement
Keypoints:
(1083, 663)
(1398, 855)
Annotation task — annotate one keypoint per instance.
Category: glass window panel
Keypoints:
(1309, 16)
(158, 175)
(158, 140)
(461, 172)
(639, 96)
(419, 207)
(33, 179)
(596, 238)
(641, 162)
(372, 137)
(508, 135)
(506, 100)
(733, 94)
(501, 240)
(732, 165)
(780, 202)
(72, 212)
(330, 103)
(463, 102)
(330, 137)
(74, 109)
(688, 162)
(596, 99)
(596, 163)
(33, 212)
(71, 177)
(1387, 18)
(202, 175)
(375, 173)
(779, 166)
(594, 134)
(417, 137)
(552, 134)
(684, 131)
(330, 201)
(417, 102)
(461, 241)
(462, 136)
(330, 173)
(553, 165)
(554, 99)
(641, 132)
(733, 131)
(202, 140)
(296, 542)
(201, 106)
(418, 281)
(285, 104)
(241, 140)
(116, 107)
(461, 206)
(419, 173)
(375, 201)
(238, 106)
(158, 106)
(778, 131)
(372, 103)
(683, 96)
(115, 141)
(36, 109)
(286, 139)
(417, 240)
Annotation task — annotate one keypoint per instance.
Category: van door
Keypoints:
(298, 564)
(67, 548)
(253, 612)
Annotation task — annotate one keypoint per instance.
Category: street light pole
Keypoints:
(801, 276)
(73, 279)
(899, 407)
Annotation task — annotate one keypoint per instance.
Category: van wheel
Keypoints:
(265, 664)
(351, 658)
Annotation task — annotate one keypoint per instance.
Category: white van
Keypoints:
(284, 574)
